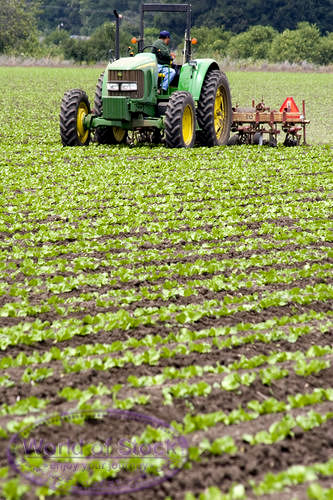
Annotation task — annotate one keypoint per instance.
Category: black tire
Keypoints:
(74, 107)
(180, 121)
(106, 135)
(257, 138)
(215, 100)
(290, 142)
(234, 140)
(272, 142)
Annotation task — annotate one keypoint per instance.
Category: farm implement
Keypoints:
(253, 124)
(130, 106)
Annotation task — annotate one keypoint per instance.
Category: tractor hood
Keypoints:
(130, 86)
(139, 61)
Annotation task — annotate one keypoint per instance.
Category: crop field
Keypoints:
(193, 287)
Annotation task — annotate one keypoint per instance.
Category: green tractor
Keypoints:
(196, 108)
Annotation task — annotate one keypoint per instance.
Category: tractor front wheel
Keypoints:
(74, 108)
(214, 110)
(106, 135)
(180, 121)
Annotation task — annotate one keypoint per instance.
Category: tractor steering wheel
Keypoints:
(147, 47)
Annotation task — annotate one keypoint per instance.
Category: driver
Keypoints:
(164, 58)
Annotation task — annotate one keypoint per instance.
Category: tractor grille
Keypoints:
(127, 76)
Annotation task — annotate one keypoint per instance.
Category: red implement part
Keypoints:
(290, 106)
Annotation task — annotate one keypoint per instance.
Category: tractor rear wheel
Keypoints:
(214, 110)
(106, 135)
(75, 107)
(180, 121)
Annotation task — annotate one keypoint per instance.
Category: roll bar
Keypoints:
(162, 7)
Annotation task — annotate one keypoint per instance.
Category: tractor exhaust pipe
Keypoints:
(188, 44)
(118, 20)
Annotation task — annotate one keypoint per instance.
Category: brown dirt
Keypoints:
(249, 462)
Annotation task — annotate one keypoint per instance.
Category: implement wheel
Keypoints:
(234, 140)
(74, 108)
(214, 110)
(180, 121)
(106, 135)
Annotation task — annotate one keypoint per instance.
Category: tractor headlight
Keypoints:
(128, 86)
(114, 87)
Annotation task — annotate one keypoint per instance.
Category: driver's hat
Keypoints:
(164, 34)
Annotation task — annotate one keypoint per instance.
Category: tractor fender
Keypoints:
(192, 75)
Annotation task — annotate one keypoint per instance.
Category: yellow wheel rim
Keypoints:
(188, 125)
(219, 112)
(82, 133)
(119, 133)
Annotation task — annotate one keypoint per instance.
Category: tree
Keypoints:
(210, 41)
(84, 16)
(60, 14)
(325, 50)
(255, 43)
(94, 48)
(280, 14)
(101, 41)
(297, 45)
(94, 14)
(18, 26)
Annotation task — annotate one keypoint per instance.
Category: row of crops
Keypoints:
(191, 287)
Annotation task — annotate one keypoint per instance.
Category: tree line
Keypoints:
(84, 16)
(46, 28)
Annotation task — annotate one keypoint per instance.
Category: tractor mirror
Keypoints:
(133, 40)
(194, 41)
